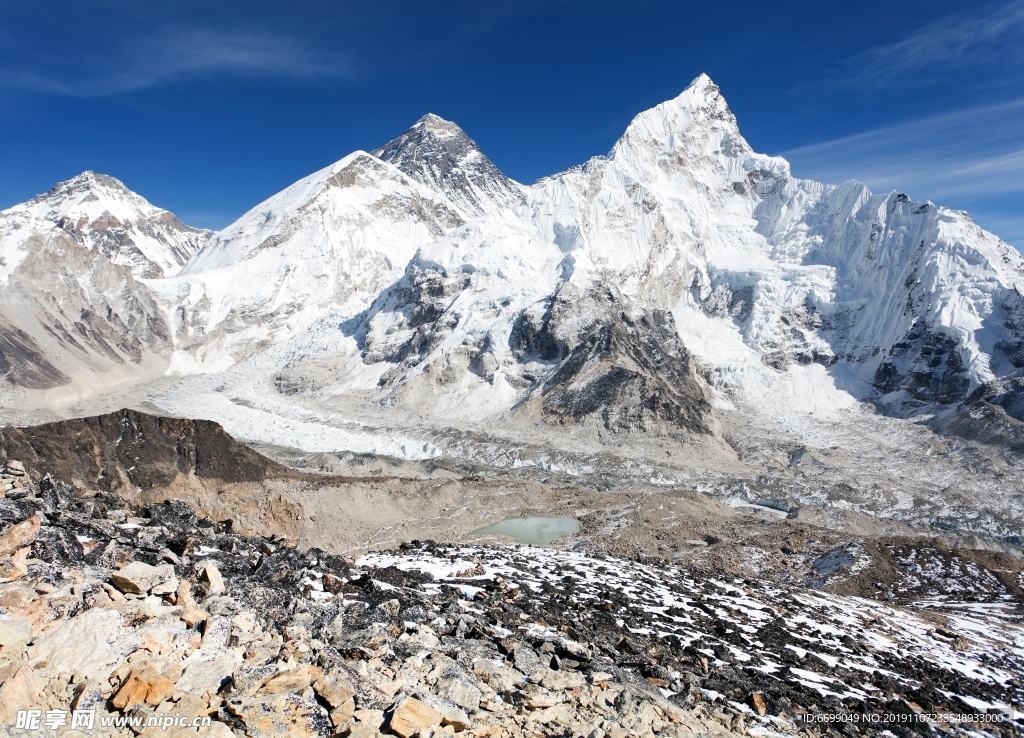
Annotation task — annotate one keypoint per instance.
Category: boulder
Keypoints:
(211, 665)
(14, 567)
(526, 660)
(364, 731)
(247, 680)
(390, 608)
(216, 729)
(20, 535)
(558, 680)
(139, 578)
(145, 686)
(17, 597)
(335, 688)
(91, 644)
(499, 677)
(293, 715)
(212, 581)
(293, 680)
(413, 716)
(21, 692)
(183, 597)
(460, 690)
(207, 669)
(15, 634)
(451, 714)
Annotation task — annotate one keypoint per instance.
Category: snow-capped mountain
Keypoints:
(684, 232)
(651, 289)
(103, 215)
(331, 240)
(76, 310)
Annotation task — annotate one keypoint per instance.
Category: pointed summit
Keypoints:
(437, 153)
(685, 129)
(101, 213)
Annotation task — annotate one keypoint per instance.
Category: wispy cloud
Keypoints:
(965, 152)
(962, 159)
(960, 40)
(173, 54)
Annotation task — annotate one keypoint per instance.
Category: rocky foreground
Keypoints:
(134, 612)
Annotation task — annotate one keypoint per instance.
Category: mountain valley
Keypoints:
(729, 376)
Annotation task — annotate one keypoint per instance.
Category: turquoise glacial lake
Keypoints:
(531, 530)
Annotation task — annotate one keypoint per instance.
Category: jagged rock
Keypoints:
(499, 677)
(390, 608)
(527, 660)
(147, 686)
(364, 731)
(14, 567)
(293, 680)
(335, 688)
(247, 680)
(297, 715)
(20, 535)
(413, 716)
(138, 577)
(21, 691)
(212, 581)
(460, 690)
(210, 666)
(216, 729)
(91, 644)
(558, 680)
(262, 649)
(17, 597)
(451, 713)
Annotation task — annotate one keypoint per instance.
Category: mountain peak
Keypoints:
(100, 212)
(430, 119)
(437, 153)
(698, 119)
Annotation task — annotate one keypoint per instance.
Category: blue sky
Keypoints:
(207, 108)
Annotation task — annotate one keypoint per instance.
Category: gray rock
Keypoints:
(500, 678)
(139, 578)
(461, 690)
(527, 660)
(247, 680)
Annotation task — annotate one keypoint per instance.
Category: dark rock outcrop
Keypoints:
(132, 449)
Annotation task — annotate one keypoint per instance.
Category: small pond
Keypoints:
(531, 530)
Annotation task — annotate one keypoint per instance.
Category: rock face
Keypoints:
(67, 310)
(435, 640)
(129, 448)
